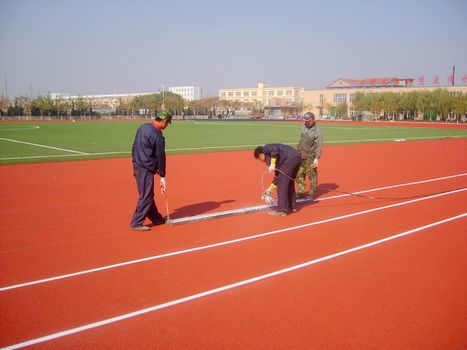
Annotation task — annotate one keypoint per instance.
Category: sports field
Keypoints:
(377, 261)
(66, 140)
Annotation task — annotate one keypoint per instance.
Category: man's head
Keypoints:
(309, 119)
(164, 118)
(259, 154)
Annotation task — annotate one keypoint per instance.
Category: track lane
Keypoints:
(170, 278)
(74, 251)
(278, 297)
(385, 198)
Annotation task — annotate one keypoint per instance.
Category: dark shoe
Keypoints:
(158, 222)
(140, 228)
(302, 195)
(277, 213)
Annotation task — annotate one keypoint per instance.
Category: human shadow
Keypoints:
(321, 190)
(325, 188)
(198, 208)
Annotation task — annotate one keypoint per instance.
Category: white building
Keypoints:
(189, 93)
(265, 94)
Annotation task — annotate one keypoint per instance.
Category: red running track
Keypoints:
(75, 276)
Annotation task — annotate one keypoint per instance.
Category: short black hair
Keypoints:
(258, 151)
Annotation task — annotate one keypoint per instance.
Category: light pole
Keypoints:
(163, 96)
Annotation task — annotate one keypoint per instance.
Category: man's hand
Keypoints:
(268, 191)
(272, 166)
(265, 195)
(163, 185)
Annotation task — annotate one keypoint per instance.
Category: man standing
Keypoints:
(283, 161)
(149, 159)
(310, 147)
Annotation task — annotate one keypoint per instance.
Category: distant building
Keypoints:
(371, 83)
(58, 95)
(290, 101)
(276, 101)
(189, 93)
(100, 104)
(343, 91)
(108, 103)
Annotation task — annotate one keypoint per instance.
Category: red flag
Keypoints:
(436, 80)
(421, 80)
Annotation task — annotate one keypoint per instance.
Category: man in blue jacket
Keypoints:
(149, 159)
(283, 161)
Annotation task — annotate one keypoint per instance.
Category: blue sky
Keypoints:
(107, 46)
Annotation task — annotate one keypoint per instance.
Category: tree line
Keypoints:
(142, 105)
(439, 104)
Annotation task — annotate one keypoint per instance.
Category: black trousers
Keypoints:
(285, 181)
(146, 206)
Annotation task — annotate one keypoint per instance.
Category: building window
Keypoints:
(340, 98)
(321, 99)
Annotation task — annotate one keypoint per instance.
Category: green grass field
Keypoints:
(28, 142)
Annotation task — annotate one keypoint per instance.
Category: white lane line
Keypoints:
(246, 210)
(224, 288)
(390, 186)
(32, 127)
(43, 146)
(67, 155)
(223, 243)
(395, 138)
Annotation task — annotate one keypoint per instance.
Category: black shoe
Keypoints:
(158, 222)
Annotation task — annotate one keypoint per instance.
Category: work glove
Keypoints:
(163, 185)
(272, 166)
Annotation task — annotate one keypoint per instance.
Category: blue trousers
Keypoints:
(146, 206)
(286, 197)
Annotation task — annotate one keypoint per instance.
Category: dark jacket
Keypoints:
(148, 149)
(281, 152)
